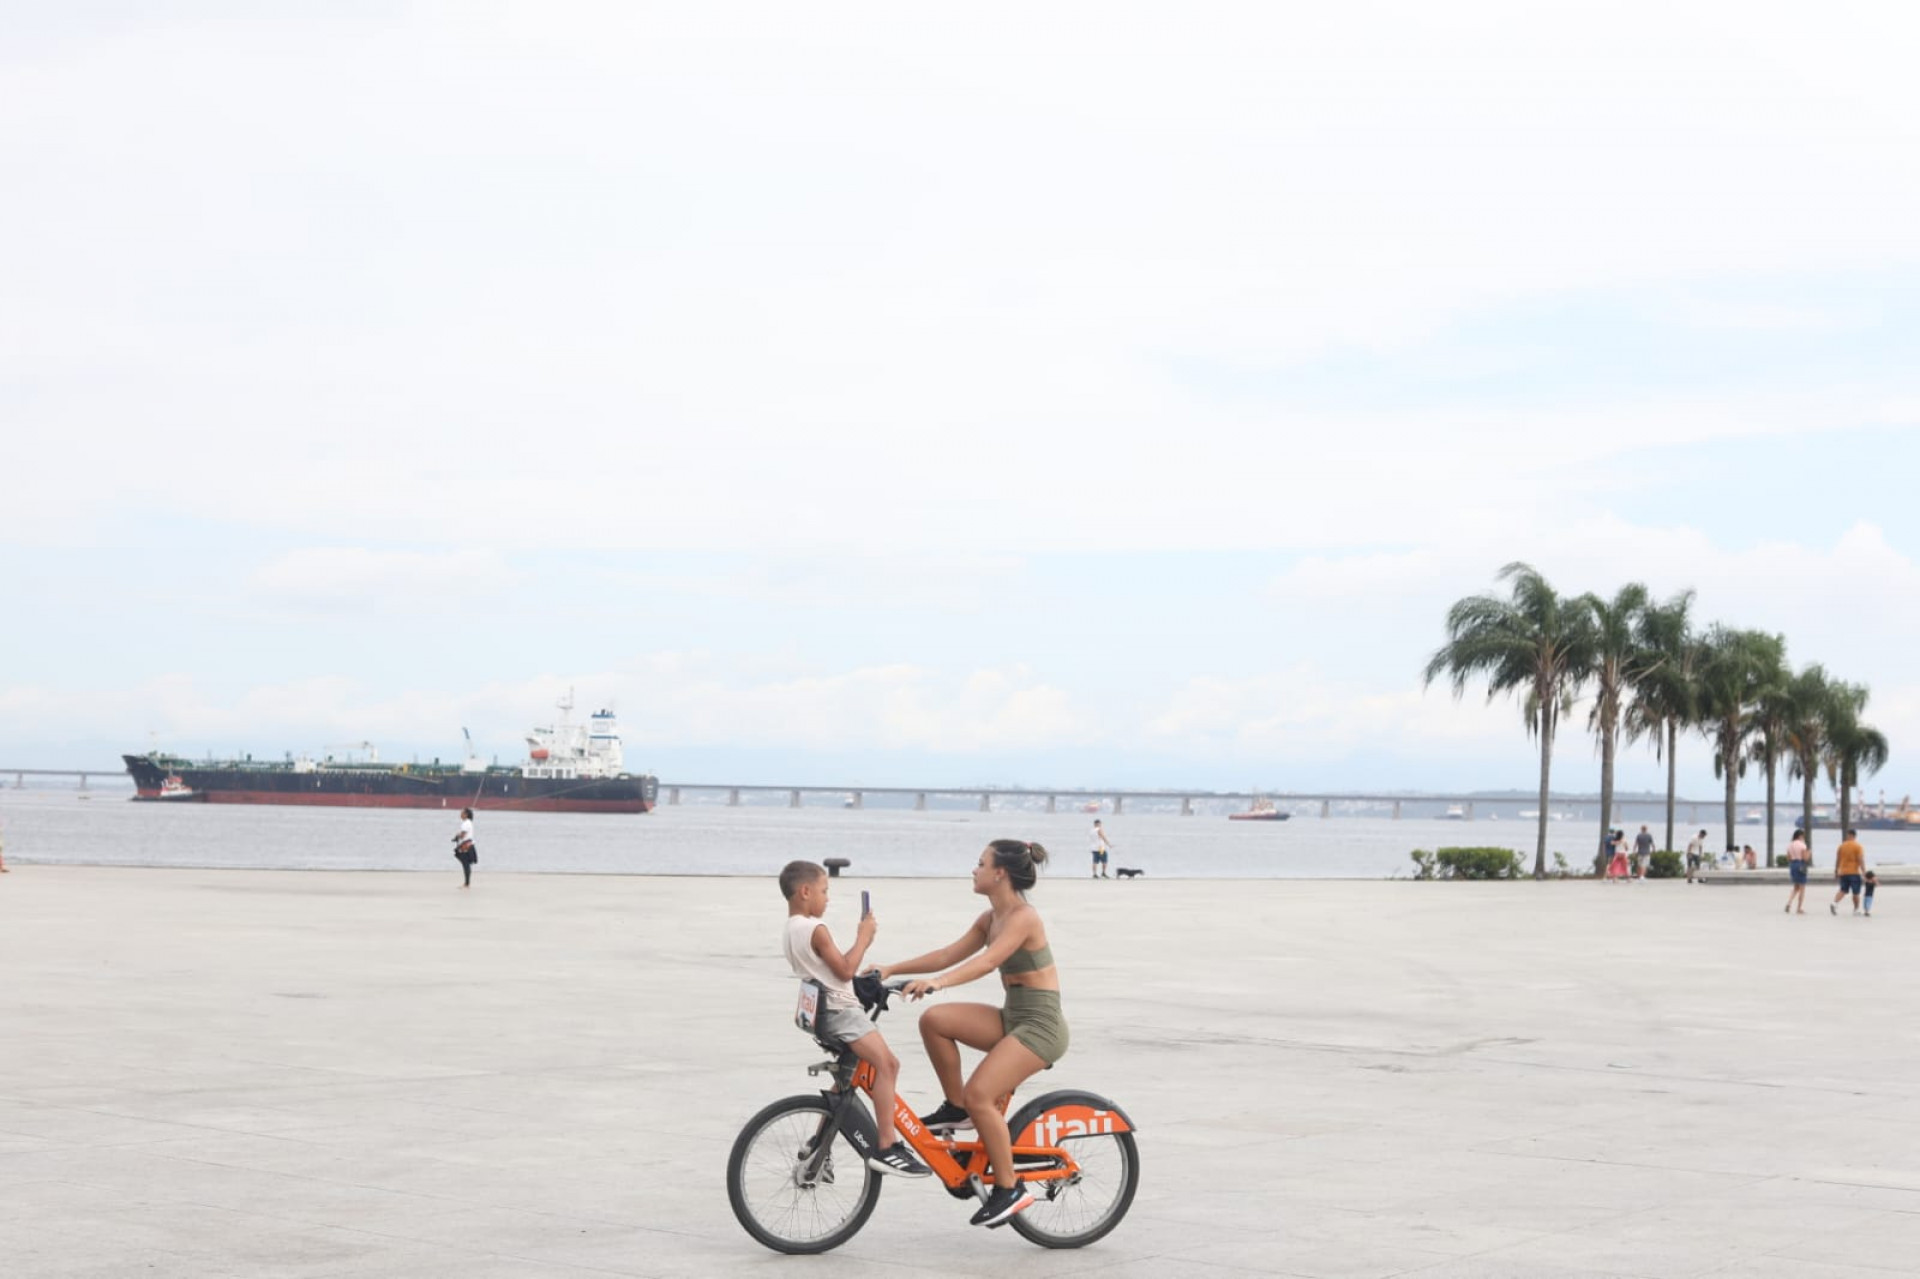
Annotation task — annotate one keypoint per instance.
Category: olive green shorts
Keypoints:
(1033, 1017)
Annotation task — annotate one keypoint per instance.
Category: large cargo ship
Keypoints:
(570, 768)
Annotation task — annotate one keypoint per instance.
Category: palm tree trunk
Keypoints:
(1546, 765)
(1606, 780)
(1730, 765)
(1673, 739)
(1806, 809)
(1846, 800)
(1772, 768)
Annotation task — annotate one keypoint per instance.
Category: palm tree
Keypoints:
(1809, 710)
(1854, 748)
(1770, 723)
(1619, 663)
(1665, 696)
(1534, 644)
(1731, 680)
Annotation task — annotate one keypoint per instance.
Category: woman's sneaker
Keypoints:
(898, 1161)
(946, 1119)
(1002, 1202)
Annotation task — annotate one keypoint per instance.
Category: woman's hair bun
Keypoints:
(1021, 861)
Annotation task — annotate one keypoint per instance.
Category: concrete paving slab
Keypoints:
(273, 1075)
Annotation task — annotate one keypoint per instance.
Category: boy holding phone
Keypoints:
(814, 957)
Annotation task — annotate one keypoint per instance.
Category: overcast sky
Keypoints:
(1063, 394)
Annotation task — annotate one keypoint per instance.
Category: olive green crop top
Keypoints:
(1028, 961)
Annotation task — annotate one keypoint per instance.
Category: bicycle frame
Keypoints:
(960, 1165)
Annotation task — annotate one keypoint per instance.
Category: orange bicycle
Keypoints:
(799, 1182)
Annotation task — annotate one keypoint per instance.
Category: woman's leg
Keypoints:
(945, 1028)
(1010, 1064)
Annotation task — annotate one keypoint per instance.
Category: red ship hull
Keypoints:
(485, 804)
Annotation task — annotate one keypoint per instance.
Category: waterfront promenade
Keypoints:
(261, 1074)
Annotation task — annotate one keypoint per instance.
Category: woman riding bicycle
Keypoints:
(1021, 1039)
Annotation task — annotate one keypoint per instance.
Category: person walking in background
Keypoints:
(1100, 850)
(1797, 858)
(463, 849)
(1642, 853)
(1849, 860)
(1617, 867)
(1872, 881)
(1696, 849)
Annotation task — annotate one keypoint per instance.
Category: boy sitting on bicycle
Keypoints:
(814, 957)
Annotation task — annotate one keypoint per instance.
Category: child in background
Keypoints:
(1873, 882)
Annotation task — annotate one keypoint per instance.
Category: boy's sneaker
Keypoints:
(946, 1119)
(898, 1161)
(1002, 1202)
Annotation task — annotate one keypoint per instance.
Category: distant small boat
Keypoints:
(1262, 811)
(1454, 813)
(1533, 815)
(1091, 806)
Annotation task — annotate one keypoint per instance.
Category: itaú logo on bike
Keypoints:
(1070, 1121)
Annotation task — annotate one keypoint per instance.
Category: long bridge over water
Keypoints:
(1115, 801)
(1107, 801)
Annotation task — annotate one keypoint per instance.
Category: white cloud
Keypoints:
(1300, 715)
(349, 574)
(706, 280)
(673, 701)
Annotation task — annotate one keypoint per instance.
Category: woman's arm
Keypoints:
(934, 960)
(1014, 936)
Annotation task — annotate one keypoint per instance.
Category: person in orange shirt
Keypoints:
(1849, 860)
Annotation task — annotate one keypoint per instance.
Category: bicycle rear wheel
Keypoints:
(1072, 1213)
(770, 1193)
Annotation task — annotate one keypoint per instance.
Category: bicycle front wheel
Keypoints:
(771, 1192)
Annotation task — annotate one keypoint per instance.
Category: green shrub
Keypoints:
(1422, 863)
(1479, 863)
(1668, 865)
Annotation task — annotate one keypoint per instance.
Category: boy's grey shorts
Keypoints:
(844, 1025)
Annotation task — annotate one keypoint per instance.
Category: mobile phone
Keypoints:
(866, 904)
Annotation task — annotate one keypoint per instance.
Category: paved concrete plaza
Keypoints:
(263, 1074)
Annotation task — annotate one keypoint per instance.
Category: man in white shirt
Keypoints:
(1696, 849)
(1100, 850)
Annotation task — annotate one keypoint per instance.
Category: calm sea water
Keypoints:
(107, 829)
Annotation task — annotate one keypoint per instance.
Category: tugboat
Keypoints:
(173, 789)
(570, 768)
(1262, 811)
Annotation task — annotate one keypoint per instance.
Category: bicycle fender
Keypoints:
(1054, 1116)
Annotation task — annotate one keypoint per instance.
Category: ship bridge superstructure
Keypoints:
(569, 750)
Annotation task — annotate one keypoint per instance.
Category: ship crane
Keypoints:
(373, 752)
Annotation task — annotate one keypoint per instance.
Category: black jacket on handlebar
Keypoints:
(871, 991)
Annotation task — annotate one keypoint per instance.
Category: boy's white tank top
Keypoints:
(808, 964)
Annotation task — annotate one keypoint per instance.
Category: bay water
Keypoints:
(58, 826)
